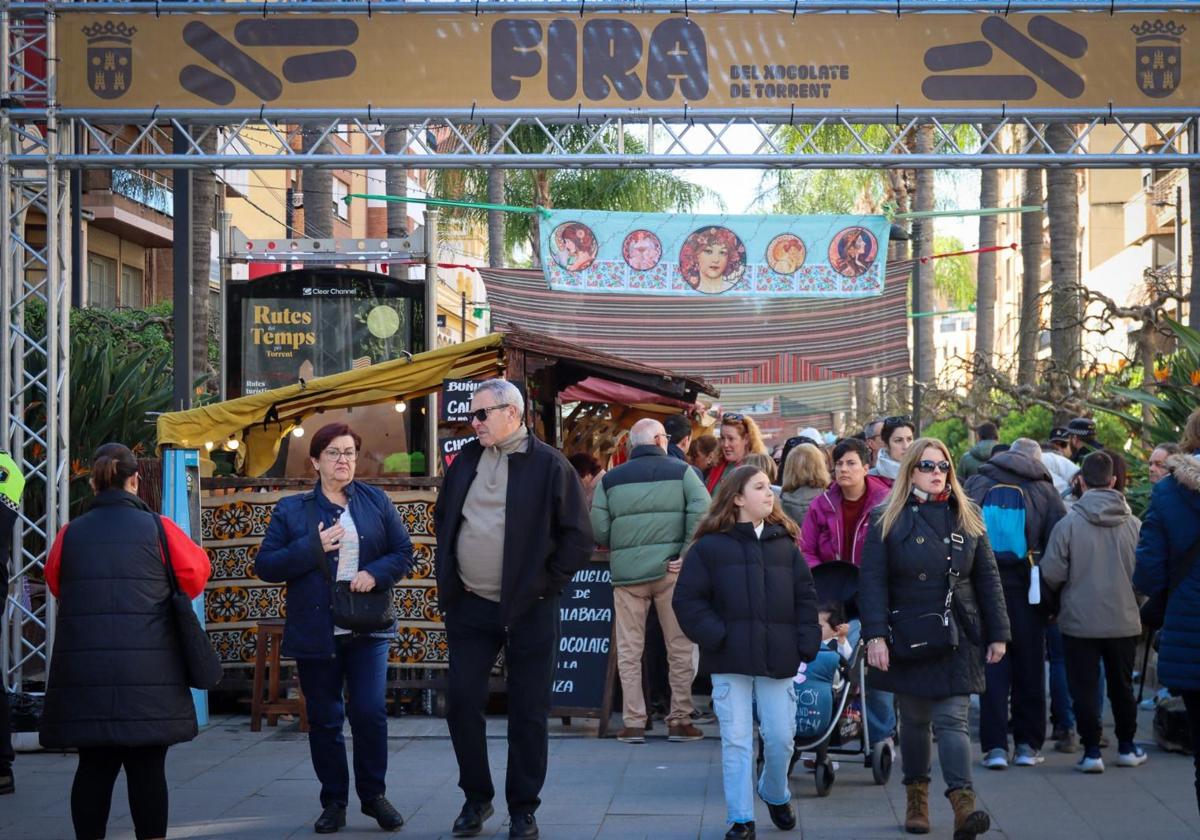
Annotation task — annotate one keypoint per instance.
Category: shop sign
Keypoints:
(456, 399)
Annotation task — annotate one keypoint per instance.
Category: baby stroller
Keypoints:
(846, 732)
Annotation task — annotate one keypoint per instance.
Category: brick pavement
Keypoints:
(231, 783)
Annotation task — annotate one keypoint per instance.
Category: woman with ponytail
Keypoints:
(117, 689)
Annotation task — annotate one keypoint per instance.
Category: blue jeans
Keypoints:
(360, 665)
(1062, 716)
(734, 698)
(880, 706)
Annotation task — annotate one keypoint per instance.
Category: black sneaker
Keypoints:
(523, 826)
(384, 813)
(741, 831)
(7, 782)
(331, 819)
(471, 818)
(784, 816)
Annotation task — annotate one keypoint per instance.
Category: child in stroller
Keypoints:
(816, 681)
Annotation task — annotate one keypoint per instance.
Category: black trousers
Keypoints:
(1191, 702)
(6, 750)
(1083, 673)
(1021, 674)
(476, 635)
(145, 779)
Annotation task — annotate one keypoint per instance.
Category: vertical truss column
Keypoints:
(34, 364)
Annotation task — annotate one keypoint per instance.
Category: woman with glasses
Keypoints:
(341, 530)
(739, 437)
(928, 557)
(897, 435)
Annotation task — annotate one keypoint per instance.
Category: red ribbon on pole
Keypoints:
(990, 248)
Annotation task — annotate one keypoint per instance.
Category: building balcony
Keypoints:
(1162, 198)
(130, 204)
(1142, 218)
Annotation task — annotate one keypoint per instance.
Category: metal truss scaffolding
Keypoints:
(42, 142)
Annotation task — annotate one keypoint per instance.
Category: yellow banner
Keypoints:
(719, 60)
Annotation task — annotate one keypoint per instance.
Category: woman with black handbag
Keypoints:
(932, 613)
(340, 548)
(118, 683)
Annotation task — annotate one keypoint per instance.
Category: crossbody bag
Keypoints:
(917, 633)
(359, 612)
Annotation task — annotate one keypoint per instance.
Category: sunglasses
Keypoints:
(928, 466)
(732, 417)
(897, 420)
(481, 414)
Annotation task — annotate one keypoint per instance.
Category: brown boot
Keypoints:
(967, 821)
(916, 815)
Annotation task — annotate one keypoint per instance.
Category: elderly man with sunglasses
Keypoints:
(512, 528)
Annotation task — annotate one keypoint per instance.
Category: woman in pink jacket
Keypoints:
(835, 528)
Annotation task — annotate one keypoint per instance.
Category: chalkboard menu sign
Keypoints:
(587, 655)
(456, 399)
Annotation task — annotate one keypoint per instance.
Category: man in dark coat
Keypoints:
(512, 527)
(1081, 438)
(12, 484)
(1021, 673)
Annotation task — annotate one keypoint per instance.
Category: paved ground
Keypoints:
(231, 783)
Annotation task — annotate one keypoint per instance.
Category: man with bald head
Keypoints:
(645, 511)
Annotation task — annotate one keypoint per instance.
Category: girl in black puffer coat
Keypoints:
(924, 538)
(746, 597)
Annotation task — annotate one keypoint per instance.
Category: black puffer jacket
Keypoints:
(749, 603)
(1043, 506)
(117, 677)
(909, 569)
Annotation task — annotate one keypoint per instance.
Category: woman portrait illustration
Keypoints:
(853, 251)
(574, 246)
(786, 253)
(642, 250)
(712, 260)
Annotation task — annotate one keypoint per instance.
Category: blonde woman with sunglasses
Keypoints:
(933, 614)
(739, 437)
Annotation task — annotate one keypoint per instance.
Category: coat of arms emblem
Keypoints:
(109, 58)
(1158, 61)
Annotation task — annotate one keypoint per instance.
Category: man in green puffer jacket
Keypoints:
(645, 511)
(977, 455)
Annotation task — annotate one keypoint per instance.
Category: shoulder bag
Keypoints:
(201, 662)
(917, 633)
(359, 612)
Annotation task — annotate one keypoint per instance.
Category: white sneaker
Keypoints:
(996, 759)
(1132, 759)
(1090, 765)
(1027, 756)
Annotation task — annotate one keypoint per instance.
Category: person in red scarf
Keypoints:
(739, 437)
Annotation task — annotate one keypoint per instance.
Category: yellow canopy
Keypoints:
(260, 421)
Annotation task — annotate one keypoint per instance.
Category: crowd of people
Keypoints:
(970, 579)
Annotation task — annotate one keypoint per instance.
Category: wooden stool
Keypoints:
(270, 634)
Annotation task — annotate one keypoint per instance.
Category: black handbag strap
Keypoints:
(166, 554)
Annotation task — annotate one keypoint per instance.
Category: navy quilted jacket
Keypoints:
(1171, 525)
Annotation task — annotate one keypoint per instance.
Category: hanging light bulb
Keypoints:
(208, 446)
(298, 431)
(233, 444)
(401, 406)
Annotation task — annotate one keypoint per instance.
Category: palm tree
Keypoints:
(985, 288)
(204, 212)
(1030, 325)
(317, 185)
(1066, 328)
(495, 195)
(395, 180)
(629, 190)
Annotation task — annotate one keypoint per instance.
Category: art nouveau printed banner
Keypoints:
(735, 256)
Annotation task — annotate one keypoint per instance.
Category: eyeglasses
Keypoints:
(732, 417)
(335, 455)
(932, 466)
(481, 414)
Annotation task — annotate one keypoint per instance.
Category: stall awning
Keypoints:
(259, 421)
